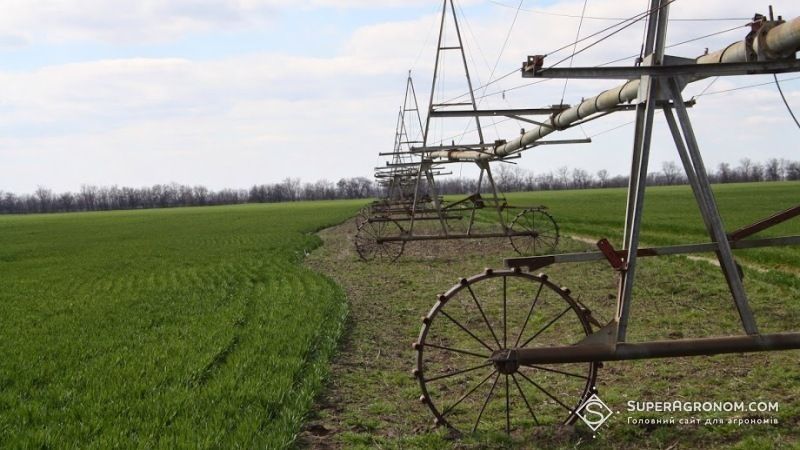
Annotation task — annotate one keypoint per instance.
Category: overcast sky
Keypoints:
(229, 93)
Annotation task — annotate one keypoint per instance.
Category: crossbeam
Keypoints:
(537, 262)
(501, 112)
(704, 70)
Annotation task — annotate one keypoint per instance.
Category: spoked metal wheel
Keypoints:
(367, 240)
(541, 232)
(362, 216)
(492, 312)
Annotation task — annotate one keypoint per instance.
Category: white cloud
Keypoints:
(128, 21)
(260, 117)
(26, 21)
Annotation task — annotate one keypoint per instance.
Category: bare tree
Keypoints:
(724, 173)
(509, 178)
(756, 173)
(581, 179)
(45, 198)
(671, 172)
(201, 195)
(291, 188)
(87, 197)
(602, 177)
(546, 181)
(563, 176)
(792, 170)
(745, 168)
(65, 201)
(773, 171)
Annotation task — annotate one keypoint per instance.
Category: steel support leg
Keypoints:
(656, 36)
(423, 166)
(710, 211)
(475, 208)
(496, 197)
(641, 156)
(437, 204)
(686, 162)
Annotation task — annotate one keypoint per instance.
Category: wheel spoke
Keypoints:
(368, 229)
(386, 251)
(451, 407)
(525, 399)
(546, 326)
(508, 409)
(530, 312)
(551, 244)
(556, 371)
(528, 225)
(505, 323)
(485, 320)
(450, 349)
(459, 372)
(545, 392)
(466, 330)
(486, 402)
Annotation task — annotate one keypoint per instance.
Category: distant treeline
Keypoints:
(105, 198)
(508, 178)
(515, 179)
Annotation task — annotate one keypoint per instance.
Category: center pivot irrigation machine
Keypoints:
(412, 202)
(530, 343)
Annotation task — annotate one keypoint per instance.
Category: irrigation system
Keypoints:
(496, 367)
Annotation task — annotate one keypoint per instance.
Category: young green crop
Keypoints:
(192, 327)
(671, 215)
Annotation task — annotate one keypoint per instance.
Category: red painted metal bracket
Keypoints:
(611, 255)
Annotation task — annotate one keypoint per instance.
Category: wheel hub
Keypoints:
(505, 361)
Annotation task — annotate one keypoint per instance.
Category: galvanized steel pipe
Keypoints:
(777, 42)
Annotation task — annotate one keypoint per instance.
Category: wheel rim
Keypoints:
(541, 232)
(362, 216)
(368, 247)
(494, 311)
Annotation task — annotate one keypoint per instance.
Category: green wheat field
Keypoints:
(202, 327)
(191, 327)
